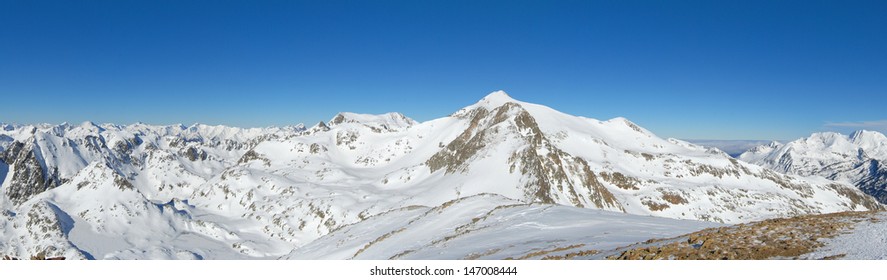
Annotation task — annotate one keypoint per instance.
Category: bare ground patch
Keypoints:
(787, 238)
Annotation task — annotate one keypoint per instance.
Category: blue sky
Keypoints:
(684, 69)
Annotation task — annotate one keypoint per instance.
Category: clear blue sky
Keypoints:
(685, 69)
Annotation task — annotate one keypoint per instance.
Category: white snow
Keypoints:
(490, 227)
(852, 160)
(866, 241)
(731, 147)
(388, 121)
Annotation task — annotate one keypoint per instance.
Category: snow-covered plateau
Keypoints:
(497, 179)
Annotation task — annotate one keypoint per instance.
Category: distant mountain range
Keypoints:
(853, 159)
(521, 179)
(734, 148)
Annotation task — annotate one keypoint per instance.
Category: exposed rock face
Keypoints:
(28, 175)
(873, 179)
(454, 157)
(194, 154)
(320, 127)
(45, 234)
(552, 174)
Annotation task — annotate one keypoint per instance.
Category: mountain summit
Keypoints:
(496, 99)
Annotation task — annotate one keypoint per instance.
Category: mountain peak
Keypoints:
(387, 121)
(319, 127)
(87, 125)
(826, 138)
(496, 99)
(866, 135)
(490, 102)
(498, 95)
(298, 127)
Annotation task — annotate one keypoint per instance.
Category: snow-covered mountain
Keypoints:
(855, 159)
(142, 191)
(733, 148)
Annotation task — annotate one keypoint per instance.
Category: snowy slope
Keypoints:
(121, 192)
(855, 159)
(203, 192)
(490, 227)
(867, 240)
(617, 165)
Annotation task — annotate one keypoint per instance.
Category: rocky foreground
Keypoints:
(845, 235)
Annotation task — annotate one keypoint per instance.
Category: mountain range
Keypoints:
(853, 159)
(474, 184)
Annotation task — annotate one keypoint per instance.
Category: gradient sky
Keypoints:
(684, 69)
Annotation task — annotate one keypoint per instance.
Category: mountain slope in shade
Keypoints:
(205, 192)
(856, 159)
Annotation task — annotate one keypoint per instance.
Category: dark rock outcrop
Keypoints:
(28, 174)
